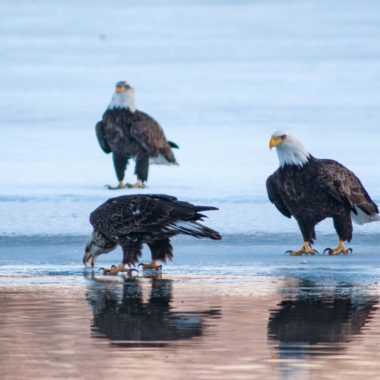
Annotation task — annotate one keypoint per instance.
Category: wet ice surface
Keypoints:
(230, 310)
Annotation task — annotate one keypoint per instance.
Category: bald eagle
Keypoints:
(132, 220)
(311, 189)
(130, 133)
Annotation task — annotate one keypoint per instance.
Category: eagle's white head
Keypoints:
(124, 97)
(289, 149)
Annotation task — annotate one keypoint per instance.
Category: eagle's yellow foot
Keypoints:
(341, 248)
(137, 185)
(305, 250)
(152, 265)
(115, 269)
(118, 187)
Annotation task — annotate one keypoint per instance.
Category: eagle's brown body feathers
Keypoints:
(132, 134)
(317, 190)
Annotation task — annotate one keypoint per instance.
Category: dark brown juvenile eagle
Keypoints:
(130, 133)
(311, 189)
(132, 220)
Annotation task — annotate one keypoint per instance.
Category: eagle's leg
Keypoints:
(305, 250)
(308, 234)
(120, 164)
(161, 250)
(141, 171)
(131, 253)
(343, 227)
(341, 248)
(152, 265)
(115, 269)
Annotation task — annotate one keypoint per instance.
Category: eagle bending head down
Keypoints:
(133, 220)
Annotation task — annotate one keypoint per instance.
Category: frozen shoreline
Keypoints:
(47, 261)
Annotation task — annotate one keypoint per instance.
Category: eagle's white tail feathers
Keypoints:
(194, 229)
(188, 227)
(363, 218)
(159, 160)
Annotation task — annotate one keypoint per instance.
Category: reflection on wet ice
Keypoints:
(125, 317)
(317, 321)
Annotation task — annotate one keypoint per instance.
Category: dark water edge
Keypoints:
(241, 239)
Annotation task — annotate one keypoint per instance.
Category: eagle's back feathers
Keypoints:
(344, 186)
(148, 218)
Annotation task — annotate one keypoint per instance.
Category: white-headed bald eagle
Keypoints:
(132, 220)
(311, 189)
(130, 133)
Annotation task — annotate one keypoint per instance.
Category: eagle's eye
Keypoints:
(283, 137)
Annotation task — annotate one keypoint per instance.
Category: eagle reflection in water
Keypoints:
(320, 321)
(123, 316)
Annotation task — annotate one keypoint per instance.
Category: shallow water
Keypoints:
(244, 312)
(193, 328)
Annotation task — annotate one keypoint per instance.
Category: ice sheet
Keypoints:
(219, 76)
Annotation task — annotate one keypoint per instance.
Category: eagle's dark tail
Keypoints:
(173, 145)
(199, 216)
(168, 154)
(205, 208)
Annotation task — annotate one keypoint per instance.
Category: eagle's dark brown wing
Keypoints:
(115, 126)
(149, 134)
(99, 129)
(343, 185)
(136, 215)
(274, 193)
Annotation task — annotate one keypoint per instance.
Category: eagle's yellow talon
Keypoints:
(341, 248)
(152, 265)
(119, 186)
(137, 185)
(305, 250)
(115, 269)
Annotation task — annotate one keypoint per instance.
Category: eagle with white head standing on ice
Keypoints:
(133, 220)
(311, 189)
(129, 133)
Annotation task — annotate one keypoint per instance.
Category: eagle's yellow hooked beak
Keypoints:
(275, 141)
(120, 89)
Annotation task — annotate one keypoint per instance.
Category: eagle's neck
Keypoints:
(292, 154)
(124, 100)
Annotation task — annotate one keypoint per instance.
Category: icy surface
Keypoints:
(39, 261)
(219, 76)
